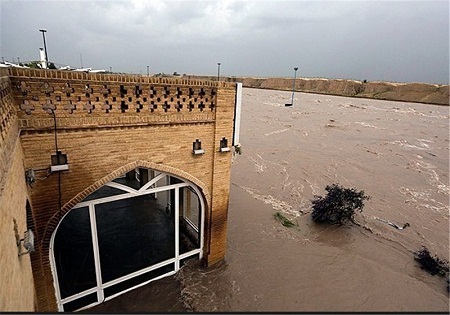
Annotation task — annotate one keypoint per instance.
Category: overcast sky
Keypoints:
(399, 41)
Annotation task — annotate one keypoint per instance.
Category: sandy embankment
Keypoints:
(407, 92)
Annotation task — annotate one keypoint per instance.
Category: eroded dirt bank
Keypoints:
(408, 92)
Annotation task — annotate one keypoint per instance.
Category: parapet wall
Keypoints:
(96, 100)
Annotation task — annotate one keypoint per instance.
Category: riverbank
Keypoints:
(406, 92)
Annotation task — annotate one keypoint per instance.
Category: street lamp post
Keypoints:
(293, 88)
(148, 73)
(218, 71)
(293, 84)
(45, 47)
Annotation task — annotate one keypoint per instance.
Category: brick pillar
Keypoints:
(221, 177)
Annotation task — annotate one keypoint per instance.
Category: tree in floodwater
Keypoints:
(432, 265)
(339, 205)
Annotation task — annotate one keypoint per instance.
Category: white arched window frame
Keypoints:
(149, 188)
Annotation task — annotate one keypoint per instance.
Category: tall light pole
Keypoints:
(148, 73)
(293, 85)
(45, 46)
(218, 71)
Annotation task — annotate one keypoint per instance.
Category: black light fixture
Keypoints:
(59, 162)
(224, 145)
(197, 147)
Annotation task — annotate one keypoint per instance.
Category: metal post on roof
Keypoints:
(218, 71)
(45, 47)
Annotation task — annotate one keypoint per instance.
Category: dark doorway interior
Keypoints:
(132, 234)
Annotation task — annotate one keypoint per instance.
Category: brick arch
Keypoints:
(55, 219)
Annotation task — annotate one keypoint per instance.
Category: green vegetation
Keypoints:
(34, 64)
(284, 221)
(339, 205)
(432, 265)
(37, 65)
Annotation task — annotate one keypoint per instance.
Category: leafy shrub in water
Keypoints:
(339, 205)
(432, 265)
(284, 221)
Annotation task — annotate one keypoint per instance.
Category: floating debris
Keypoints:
(398, 227)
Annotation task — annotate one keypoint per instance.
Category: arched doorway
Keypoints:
(138, 228)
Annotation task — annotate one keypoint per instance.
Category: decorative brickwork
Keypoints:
(107, 125)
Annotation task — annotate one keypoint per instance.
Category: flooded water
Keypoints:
(397, 152)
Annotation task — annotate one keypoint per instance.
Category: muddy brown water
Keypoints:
(397, 152)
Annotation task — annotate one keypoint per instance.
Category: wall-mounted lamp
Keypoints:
(197, 147)
(224, 145)
(30, 177)
(59, 162)
(27, 240)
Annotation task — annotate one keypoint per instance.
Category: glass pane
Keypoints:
(74, 256)
(133, 234)
(193, 257)
(130, 180)
(81, 302)
(189, 220)
(138, 280)
(104, 191)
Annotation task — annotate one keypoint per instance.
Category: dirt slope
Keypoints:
(408, 92)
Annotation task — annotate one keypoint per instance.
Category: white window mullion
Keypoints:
(128, 195)
(177, 228)
(202, 222)
(98, 269)
(55, 273)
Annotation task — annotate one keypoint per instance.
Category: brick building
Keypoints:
(120, 179)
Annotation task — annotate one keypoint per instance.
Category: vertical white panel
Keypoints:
(177, 228)
(237, 114)
(98, 270)
(42, 56)
(54, 270)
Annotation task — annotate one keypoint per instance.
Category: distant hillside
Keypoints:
(408, 92)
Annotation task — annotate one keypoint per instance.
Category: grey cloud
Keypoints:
(374, 40)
